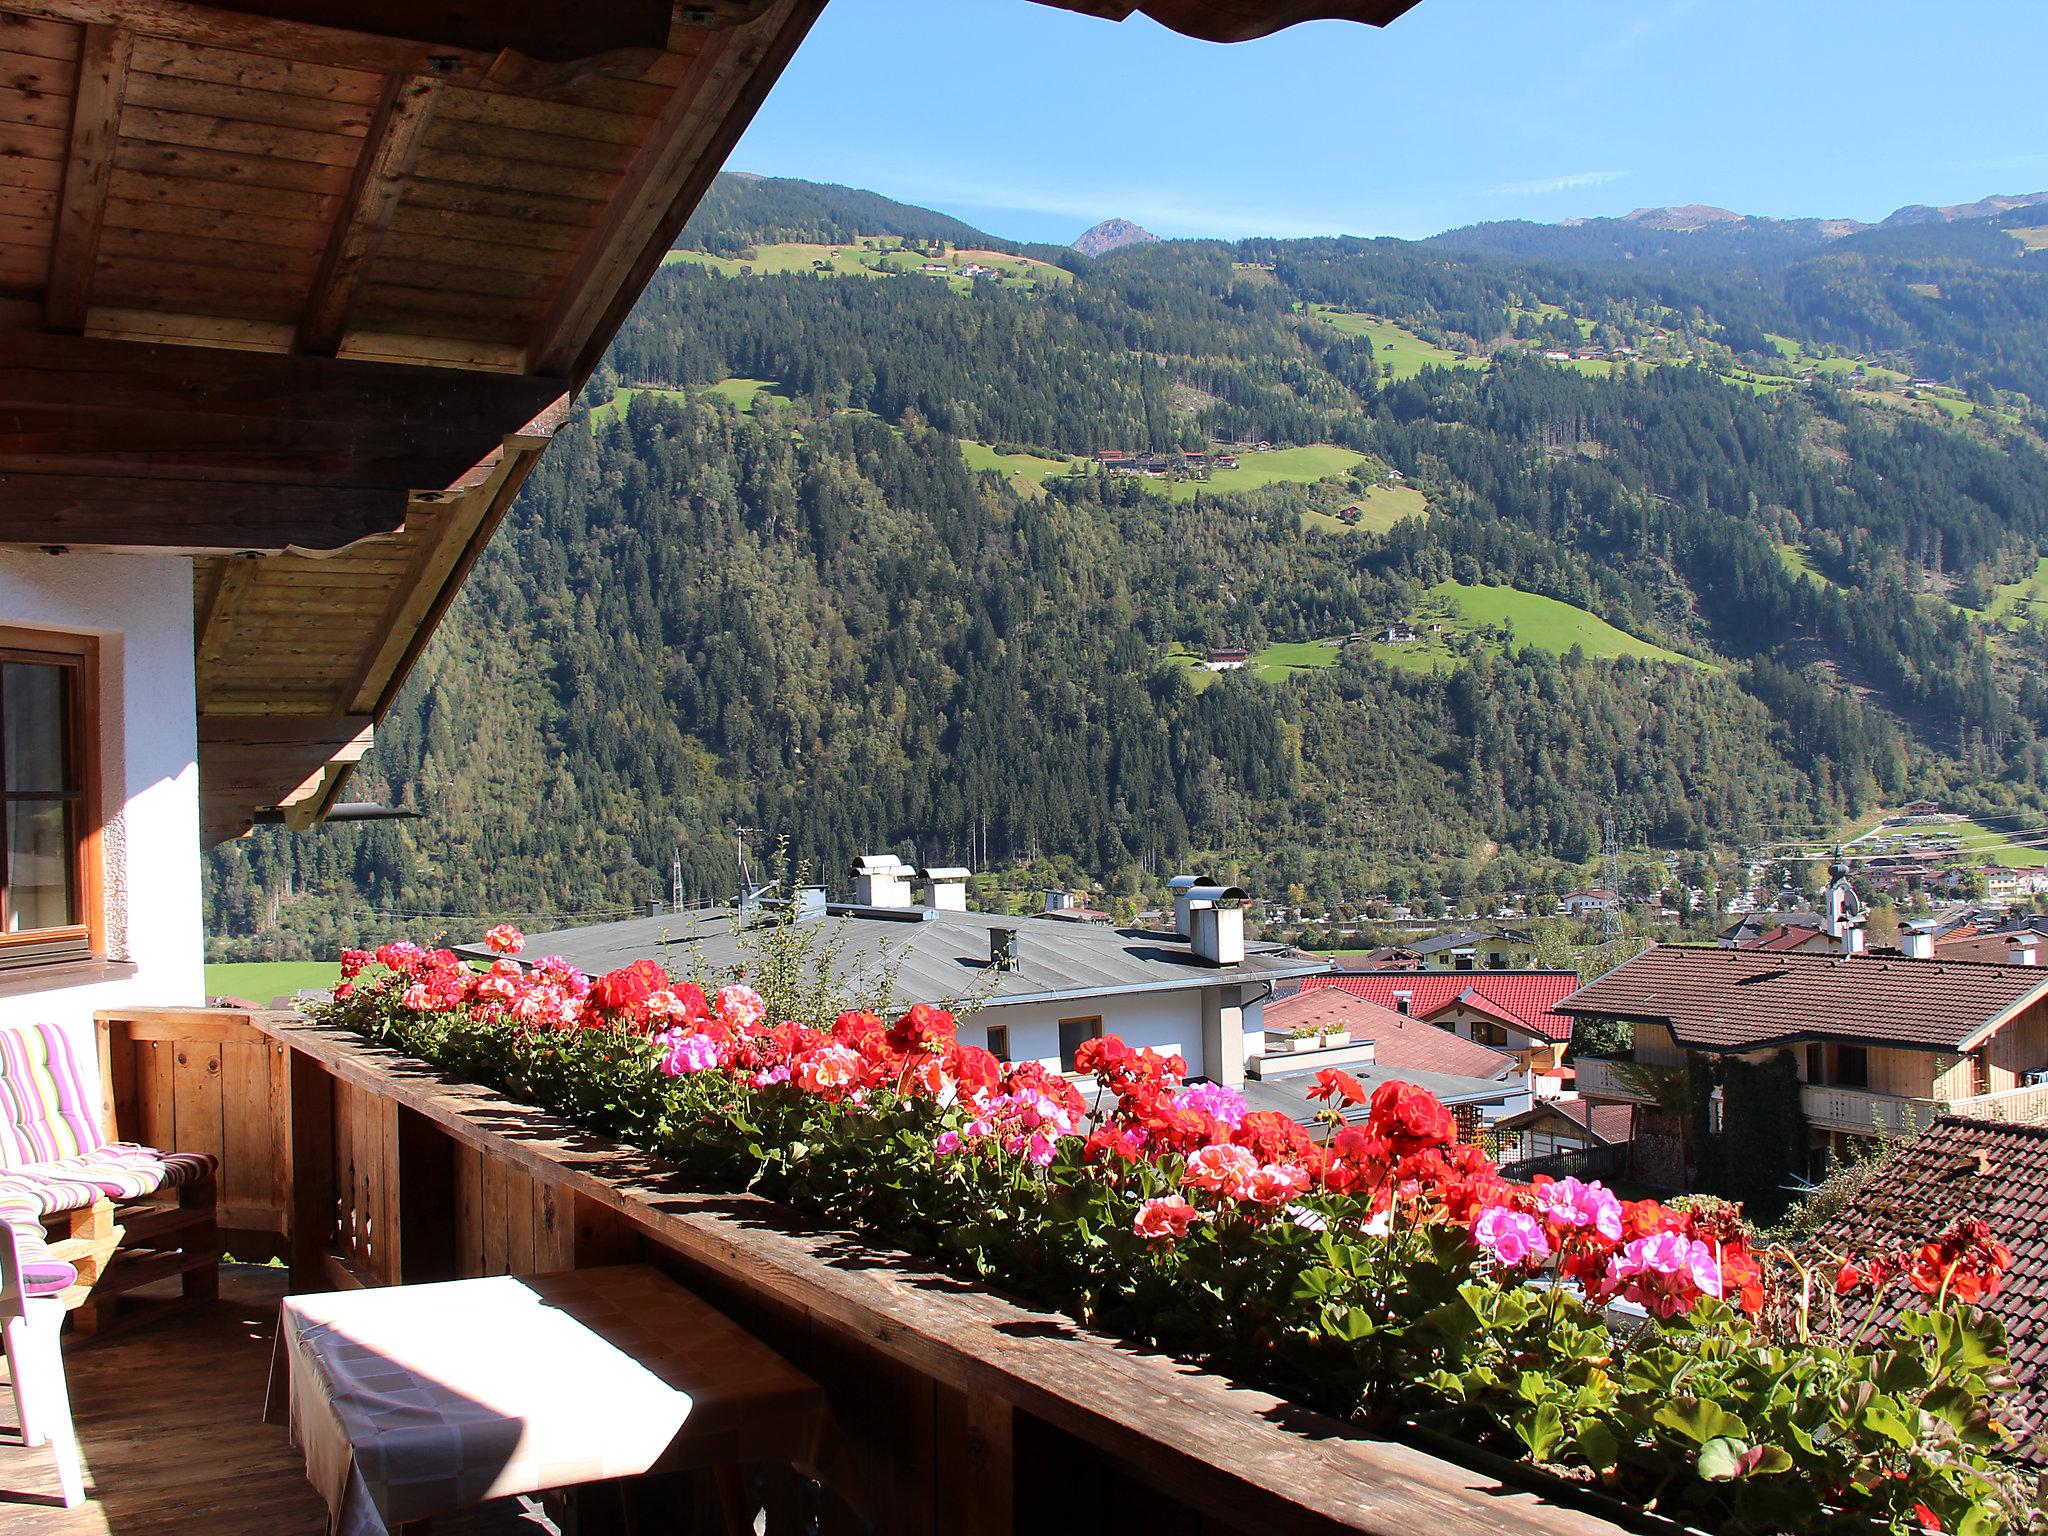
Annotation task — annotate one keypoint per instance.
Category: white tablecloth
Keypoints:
(420, 1400)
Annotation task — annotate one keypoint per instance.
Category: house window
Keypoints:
(1073, 1034)
(1852, 1066)
(1816, 1063)
(48, 825)
(999, 1041)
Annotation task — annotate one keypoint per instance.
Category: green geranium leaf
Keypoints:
(1700, 1421)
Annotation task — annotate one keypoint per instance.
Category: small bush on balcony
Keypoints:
(1371, 1266)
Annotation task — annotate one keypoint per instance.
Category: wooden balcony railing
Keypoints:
(1611, 1078)
(968, 1412)
(1864, 1113)
(2015, 1106)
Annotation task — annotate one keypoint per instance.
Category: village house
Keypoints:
(1330, 1027)
(1880, 1043)
(1465, 949)
(1560, 1127)
(1510, 1011)
(1396, 634)
(1225, 658)
(1579, 903)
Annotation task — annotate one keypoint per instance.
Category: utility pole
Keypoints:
(1610, 850)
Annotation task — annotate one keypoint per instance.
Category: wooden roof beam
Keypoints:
(392, 145)
(688, 143)
(82, 207)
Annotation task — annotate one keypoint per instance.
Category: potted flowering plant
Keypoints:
(1365, 1262)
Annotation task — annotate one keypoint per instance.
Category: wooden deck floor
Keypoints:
(169, 1414)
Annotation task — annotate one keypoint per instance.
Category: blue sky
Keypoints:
(1035, 123)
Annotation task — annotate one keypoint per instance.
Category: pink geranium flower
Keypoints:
(1221, 1170)
(1514, 1239)
(1666, 1272)
(1568, 1203)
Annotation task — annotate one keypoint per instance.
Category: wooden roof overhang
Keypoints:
(297, 288)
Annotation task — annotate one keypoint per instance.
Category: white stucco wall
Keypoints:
(1169, 1022)
(140, 607)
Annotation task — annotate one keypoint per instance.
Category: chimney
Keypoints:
(2022, 951)
(1180, 885)
(945, 888)
(1404, 1003)
(881, 880)
(1852, 941)
(1217, 916)
(1059, 899)
(1002, 949)
(1918, 945)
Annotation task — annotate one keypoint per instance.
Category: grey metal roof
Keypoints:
(928, 956)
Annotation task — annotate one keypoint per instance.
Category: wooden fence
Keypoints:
(963, 1411)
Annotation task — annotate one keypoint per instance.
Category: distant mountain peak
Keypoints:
(1687, 218)
(1110, 234)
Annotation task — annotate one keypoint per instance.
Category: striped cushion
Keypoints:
(42, 1272)
(46, 1102)
(120, 1170)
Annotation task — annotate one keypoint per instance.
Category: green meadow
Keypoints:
(1300, 466)
(1380, 508)
(1394, 347)
(260, 981)
(1025, 472)
(1543, 622)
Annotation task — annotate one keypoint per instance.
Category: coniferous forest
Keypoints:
(815, 613)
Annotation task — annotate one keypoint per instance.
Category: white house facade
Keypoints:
(100, 905)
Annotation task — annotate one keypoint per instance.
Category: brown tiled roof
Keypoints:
(1933, 1179)
(1786, 938)
(1609, 1123)
(1737, 999)
(1399, 1043)
(1991, 947)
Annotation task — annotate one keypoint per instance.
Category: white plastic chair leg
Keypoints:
(36, 1361)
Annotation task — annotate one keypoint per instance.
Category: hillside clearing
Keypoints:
(1300, 466)
(1398, 352)
(1282, 659)
(1489, 612)
(1380, 508)
(1025, 472)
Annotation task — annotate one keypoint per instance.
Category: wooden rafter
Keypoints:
(696, 131)
(388, 153)
(88, 169)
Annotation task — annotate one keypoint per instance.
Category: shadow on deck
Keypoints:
(170, 1417)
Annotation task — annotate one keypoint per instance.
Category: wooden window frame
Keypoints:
(999, 1041)
(84, 939)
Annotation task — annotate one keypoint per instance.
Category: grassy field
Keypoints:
(2015, 602)
(1543, 622)
(1026, 472)
(1282, 659)
(1383, 506)
(1299, 465)
(739, 392)
(1985, 844)
(1394, 348)
(2034, 237)
(261, 980)
(1800, 563)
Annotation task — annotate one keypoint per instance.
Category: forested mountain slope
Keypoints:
(830, 557)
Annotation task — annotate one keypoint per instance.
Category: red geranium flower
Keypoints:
(1333, 1083)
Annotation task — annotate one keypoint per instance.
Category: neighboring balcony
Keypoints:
(1863, 1113)
(1612, 1079)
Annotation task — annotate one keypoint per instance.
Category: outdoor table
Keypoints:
(413, 1401)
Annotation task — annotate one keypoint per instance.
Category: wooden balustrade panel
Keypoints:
(207, 1080)
(366, 1186)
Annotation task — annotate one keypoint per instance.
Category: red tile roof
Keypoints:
(1400, 1043)
(1737, 999)
(1521, 999)
(1935, 1178)
(1786, 938)
(1609, 1123)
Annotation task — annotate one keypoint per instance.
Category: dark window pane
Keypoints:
(35, 708)
(1073, 1034)
(39, 865)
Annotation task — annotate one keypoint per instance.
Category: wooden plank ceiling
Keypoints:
(296, 287)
